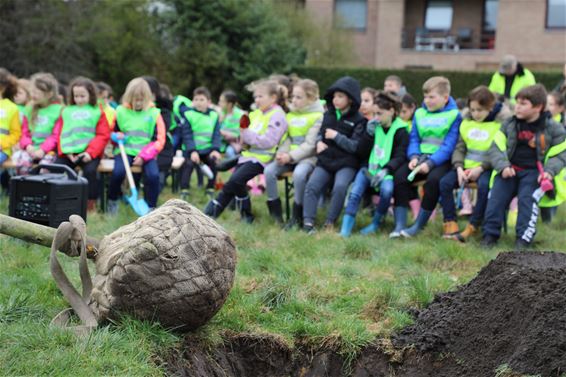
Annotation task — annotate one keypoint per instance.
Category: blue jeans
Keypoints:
(447, 185)
(521, 185)
(361, 184)
(3, 157)
(151, 180)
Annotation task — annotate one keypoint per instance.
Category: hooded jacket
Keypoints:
(344, 150)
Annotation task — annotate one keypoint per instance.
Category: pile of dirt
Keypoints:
(513, 313)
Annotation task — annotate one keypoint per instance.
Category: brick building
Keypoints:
(449, 34)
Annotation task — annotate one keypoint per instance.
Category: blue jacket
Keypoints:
(444, 153)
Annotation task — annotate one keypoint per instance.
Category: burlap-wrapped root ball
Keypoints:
(174, 265)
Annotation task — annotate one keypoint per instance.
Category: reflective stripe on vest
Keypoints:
(138, 126)
(259, 123)
(299, 125)
(433, 127)
(383, 146)
(42, 128)
(79, 127)
(478, 137)
(202, 126)
(559, 181)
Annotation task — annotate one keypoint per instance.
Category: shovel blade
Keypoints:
(139, 206)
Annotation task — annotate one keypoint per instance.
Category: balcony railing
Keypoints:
(421, 39)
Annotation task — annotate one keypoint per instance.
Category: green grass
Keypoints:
(318, 290)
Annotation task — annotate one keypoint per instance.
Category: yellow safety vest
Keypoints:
(259, 123)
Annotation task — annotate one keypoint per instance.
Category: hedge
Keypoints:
(461, 82)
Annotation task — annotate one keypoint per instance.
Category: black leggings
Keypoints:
(236, 185)
(404, 191)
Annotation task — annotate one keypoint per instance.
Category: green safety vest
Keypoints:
(8, 110)
(177, 102)
(259, 123)
(231, 124)
(497, 83)
(433, 127)
(138, 126)
(478, 137)
(43, 126)
(79, 127)
(383, 146)
(202, 126)
(299, 125)
(22, 111)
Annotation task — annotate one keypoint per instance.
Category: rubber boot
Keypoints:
(348, 222)
(275, 210)
(245, 206)
(419, 224)
(450, 229)
(213, 209)
(467, 233)
(372, 228)
(297, 217)
(400, 214)
(91, 205)
(112, 207)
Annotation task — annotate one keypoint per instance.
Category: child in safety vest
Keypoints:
(367, 106)
(84, 134)
(527, 153)
(230, 123)
(180, 105)
(297, 151)
(10, 126)
(389, 138)
(339, 151)
(470, 160)
(431, 142)
(42, 125)
(201, 139)
(556, 104)
(140, 125)
(261, 137)
(104, 91)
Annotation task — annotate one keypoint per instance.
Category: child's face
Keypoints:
(263, 100)
(223, 103)
(391, 86)
(80, 95)
(552, 106)
(201, 103)
(341, 101)
(299, 98)
(103, 95)
(383, 116)
(366, 107)
(478, 112)
(138, 102)
(39, 97)
(525, 110)
(21, 97)
(407, 112)
(434, 100)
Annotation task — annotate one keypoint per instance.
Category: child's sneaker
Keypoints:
(467, 233)
(309, 229)
(112, 207)
(184, 194)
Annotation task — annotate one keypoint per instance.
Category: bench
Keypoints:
(286, 177)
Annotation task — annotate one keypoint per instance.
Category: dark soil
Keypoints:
(513, 312)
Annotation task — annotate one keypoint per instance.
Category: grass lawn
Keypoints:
(318, 290)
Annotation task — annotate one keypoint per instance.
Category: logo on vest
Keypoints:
(42, 120)
(378, 152)
(3, 113)
(478, 135)
(433, 122)
(80, 115)
(298, 122)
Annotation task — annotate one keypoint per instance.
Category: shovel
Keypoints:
(546, 185)
(139, 206)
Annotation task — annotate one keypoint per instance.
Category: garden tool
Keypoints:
(422, 159)
(546, 186)
(139, 206)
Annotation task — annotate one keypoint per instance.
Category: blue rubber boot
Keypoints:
(348, 222)
(419, 224)
(372, 228)
(400, 214)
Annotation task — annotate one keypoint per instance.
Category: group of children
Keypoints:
(376, 143)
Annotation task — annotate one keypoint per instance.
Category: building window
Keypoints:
(491, 8)
(351, 14)
(556, 13)
(438, 15)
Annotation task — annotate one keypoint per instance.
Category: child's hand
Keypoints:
(85, 157)
(30, 149)
(73, 157)
(413, 163)
(215, 155)
(283, 158)
(474, 174)
(546, 175)
(424, 168)
(508, 172)
(462, 177)
(138, 161)
(195, 157)
(330, 134)
(39, 154)
(115, 136)
(321, 147)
